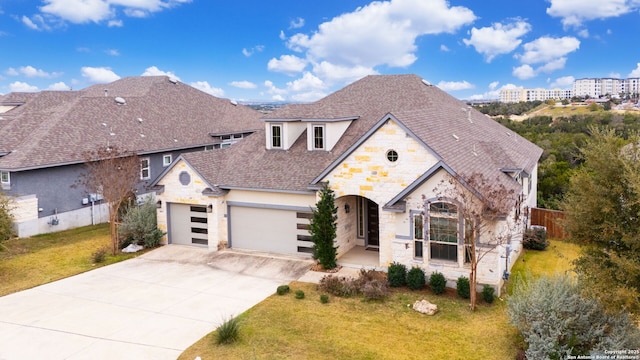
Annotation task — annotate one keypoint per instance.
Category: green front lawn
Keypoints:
(29, 262)
(282, 327)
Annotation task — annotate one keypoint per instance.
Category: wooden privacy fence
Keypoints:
(551, 219)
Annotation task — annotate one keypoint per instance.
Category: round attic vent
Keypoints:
(120, 101)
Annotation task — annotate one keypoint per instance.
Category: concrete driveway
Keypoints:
(150, 307)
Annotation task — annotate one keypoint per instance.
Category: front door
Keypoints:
(373, 238)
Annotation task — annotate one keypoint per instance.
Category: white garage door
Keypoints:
(269, 230)
(188, 224)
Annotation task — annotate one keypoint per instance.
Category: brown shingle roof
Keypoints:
(482, 145)
(56, 127)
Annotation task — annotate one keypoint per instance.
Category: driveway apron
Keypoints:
(150, 307)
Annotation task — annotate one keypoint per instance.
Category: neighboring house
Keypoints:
(44, 135)
(383, 144)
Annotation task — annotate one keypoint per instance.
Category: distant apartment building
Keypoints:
(596, 87)
(539, 94)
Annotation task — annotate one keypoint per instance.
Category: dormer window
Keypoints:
(318, 137)
(276, 136)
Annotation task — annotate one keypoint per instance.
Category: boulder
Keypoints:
(425, 307)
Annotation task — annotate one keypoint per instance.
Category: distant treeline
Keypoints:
(506, 109)
(561, 138)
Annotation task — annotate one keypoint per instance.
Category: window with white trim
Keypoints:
(443, 231)
(318, 137)
(418, 235)
(166, 159)
(5, 178)
(276, 136)
(145, 169)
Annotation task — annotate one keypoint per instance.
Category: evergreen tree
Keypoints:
(323, 229)
(6, 219)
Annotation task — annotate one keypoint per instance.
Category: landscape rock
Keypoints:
(425, 307)
(132, 248)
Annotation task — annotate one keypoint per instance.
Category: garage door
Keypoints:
(188, 224)
(269, 230)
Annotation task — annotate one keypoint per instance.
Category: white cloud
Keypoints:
(574, 13)
(307, 82)
(99, 75)
(84, 11)
(444, 48)
(36, 22)
(243, 84)
(565, 82)
(498, 39)
(277, 98)
(204, 86)
(154, 71)
(455, 85)
(31, 72)
(287, 64)
(523, 72)
(493, 93)
(282, 35)
(584, 33)
(113, 52)
(248, 52)
(615, 75)
(30, 24)
(59, 86)
(494, 85)
(296, 23)
(546, 49)
(273, 90)
(552, 66)
(355, 39)
(635, 73)
(20, 86)
(335, 73)
(115, 23)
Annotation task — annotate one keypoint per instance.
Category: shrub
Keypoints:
(228, 332)
(6, 219)
(324, 298)
(282, 289)
(299, 294)
(397, 275)
(415, 278)
(100, 255)
(372, 284)
(438, 283)
(323, 229)
(556, 321)
(139, 225)
(375, 290)
(333, 285)
(462, 287)
(535, 238)
(487, 294)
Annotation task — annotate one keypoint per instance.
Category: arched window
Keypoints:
(443, 231)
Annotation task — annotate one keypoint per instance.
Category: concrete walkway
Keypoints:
(150, 307)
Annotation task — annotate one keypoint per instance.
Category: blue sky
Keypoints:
(292, 50)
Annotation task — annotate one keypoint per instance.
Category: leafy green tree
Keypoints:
(323, 229)
(6, 219)
(602, 207)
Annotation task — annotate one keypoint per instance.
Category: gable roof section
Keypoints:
(53, 128)
(463, 139)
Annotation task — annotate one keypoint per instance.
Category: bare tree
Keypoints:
(112, 173)
(485, 207)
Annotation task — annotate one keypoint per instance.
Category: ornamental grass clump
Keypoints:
(228, 332)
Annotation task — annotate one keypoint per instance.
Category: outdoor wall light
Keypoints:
(210, 208)
(347, 208)
(159, 204)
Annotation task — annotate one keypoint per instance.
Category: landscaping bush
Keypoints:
(488, 294)
(282, 289)
(375, 290)
(100, 255)
(139, 225)
(228, 332)
(338, 286)
(370, 283)
(324, 298)
(438, 283)
(556, 321)
(535, 238)
(299, 294)
(415, 278)
(462, 287)
(397, 275)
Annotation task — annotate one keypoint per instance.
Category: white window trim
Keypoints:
(323, 128)
(164, 159)
(2, 180)
(456, 217)
(417, 241)
(271, 127)
(142, 169)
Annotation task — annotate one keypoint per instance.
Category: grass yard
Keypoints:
(283, 327)
(29, 262)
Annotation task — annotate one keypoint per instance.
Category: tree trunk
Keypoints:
(472, 283)
(113, 229)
